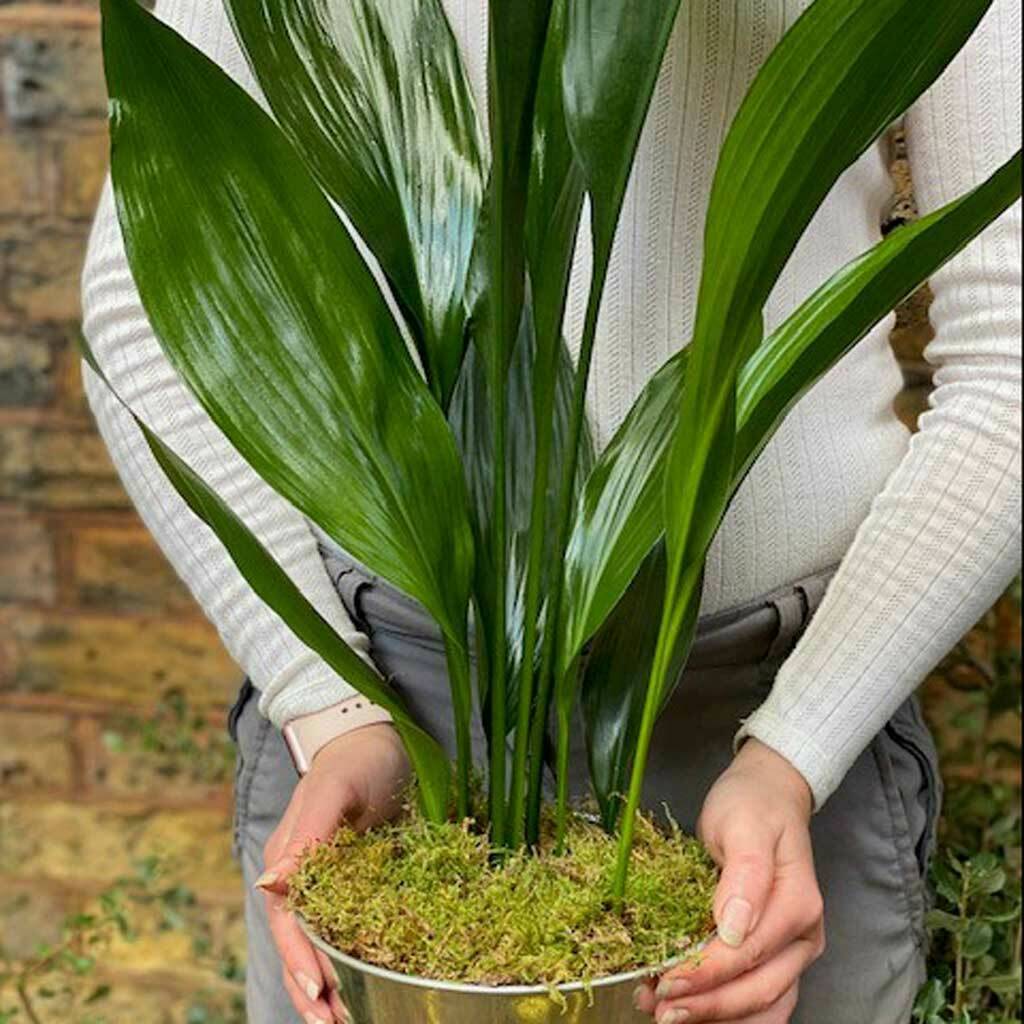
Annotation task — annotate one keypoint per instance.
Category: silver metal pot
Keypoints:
(376, 996)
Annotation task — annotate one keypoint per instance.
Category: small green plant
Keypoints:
(459, 466)
(975, 964)
(178, 738)
(69, 972)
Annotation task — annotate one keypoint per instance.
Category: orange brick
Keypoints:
(21, 181)
(27, 568)
(44, 269)
(122, 661)
(120, 567)
(35, 751)
(83, 167)
(57, 467)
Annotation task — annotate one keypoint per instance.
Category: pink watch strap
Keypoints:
(307, 736)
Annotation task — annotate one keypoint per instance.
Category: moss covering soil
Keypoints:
(430, 901)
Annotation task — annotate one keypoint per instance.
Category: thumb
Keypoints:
(746, 853)
(316, 814)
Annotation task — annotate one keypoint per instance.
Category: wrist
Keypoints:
(778, 773)
(307, 736)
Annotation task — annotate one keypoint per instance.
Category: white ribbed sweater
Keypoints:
(928, 531)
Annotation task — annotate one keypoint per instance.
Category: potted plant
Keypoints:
(428, 418)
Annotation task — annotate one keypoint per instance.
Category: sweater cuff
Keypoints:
(305, 687)
(789, 740)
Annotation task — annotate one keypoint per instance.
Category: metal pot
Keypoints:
(376, 996)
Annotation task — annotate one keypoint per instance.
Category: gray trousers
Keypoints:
(872, 840)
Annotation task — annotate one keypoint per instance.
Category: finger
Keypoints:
(334, 1000)
(745, 852)
(330, 975)
(312, 1011)
(794, 913)
(295, 950)
(321, 808)
(759, 992)
(272, 852)
(644, 998)
(781, 1013)
(338, 1008)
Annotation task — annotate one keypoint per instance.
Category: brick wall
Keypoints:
(94, 627)
(98, 640)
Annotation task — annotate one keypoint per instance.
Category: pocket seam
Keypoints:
(913, 887)
(246, 781)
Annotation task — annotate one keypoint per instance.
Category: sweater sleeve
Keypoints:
(943, 540)
(293, 680)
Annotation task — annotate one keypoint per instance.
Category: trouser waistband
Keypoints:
(763, 629)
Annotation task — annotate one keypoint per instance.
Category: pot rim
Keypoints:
(459, 988)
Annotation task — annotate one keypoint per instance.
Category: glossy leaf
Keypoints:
(849, 305)
(470, 417)
(778, 374)
(267, 311)
(616, 525)
(619, 517)
(275, 587)
(614, 52)
(374, 96)
(614, 682)
(555, 199)
(516, 33)
(554, 207)
(839, 77)
(518, 30)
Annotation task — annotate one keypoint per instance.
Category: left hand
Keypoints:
(768, 907)
(356, 780)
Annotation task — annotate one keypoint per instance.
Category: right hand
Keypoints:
(356, 781)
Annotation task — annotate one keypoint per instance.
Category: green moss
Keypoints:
(430, 901)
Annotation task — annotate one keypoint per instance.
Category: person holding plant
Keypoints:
(850, 563)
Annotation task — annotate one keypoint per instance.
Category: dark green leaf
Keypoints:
(614, 677)
(374, 96)
(470, 416)
(276, 588)
(264, 306)
(849, 305)
(518, 30)
(977, 940)
(839, 77)
(613, 54)
(619, 518)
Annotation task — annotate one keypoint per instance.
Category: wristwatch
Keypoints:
(305, 737)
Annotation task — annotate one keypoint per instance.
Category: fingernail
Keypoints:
(737, 918)
(675, 1017)
(312, 1018)
(638, 995)
(673, 988)
(308, 985)
(266, 881)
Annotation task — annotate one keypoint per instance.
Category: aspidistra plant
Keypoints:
(365, 290)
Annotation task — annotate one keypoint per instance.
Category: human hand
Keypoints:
(768, 906)
(356, 780)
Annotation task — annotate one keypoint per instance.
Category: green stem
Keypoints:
(462, 704)
(677, 601)
(498, 682)
(960, 981)
(562, 773)
(534, 574)
(562, 526)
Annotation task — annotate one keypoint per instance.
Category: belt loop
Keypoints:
(792, 613)
(814, 590)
